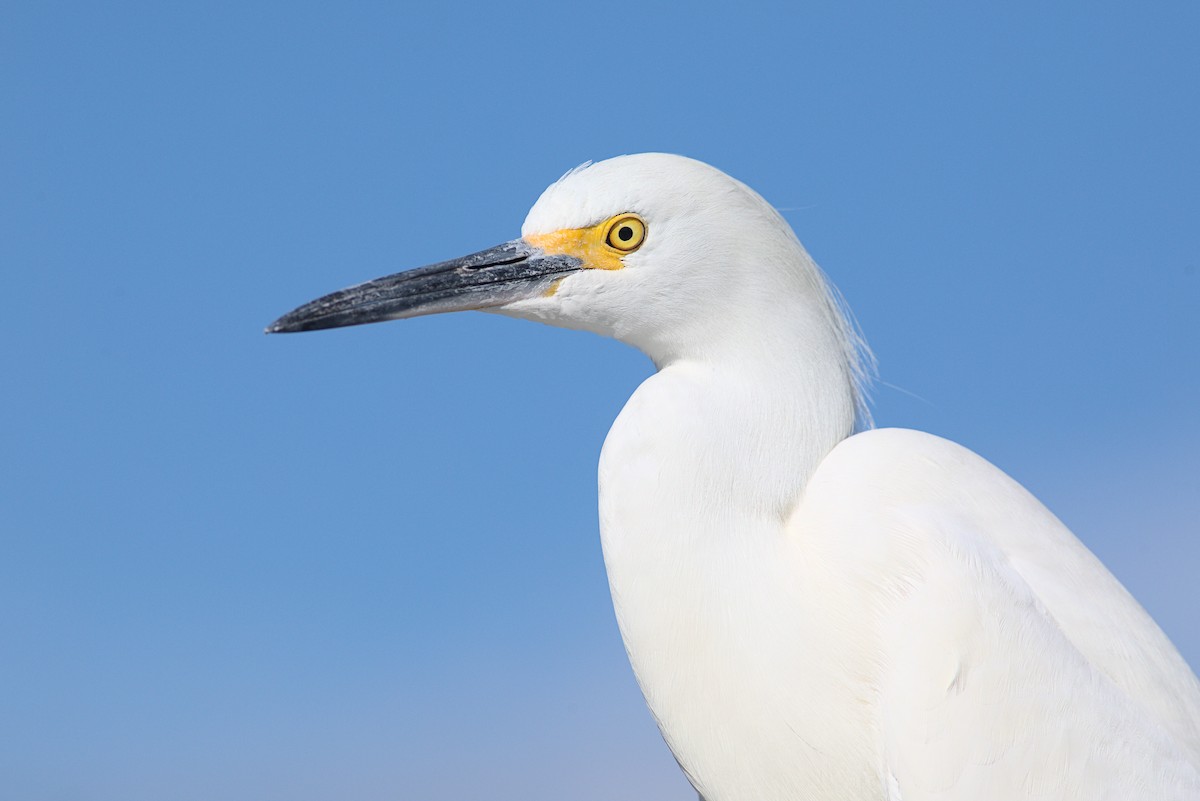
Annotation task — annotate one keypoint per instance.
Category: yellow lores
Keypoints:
(599, 247)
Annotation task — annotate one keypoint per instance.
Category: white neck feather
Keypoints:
(698, 476)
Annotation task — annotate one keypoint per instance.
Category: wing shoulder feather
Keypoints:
(1012, 663)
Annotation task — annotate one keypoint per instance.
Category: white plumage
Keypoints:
(813, 613)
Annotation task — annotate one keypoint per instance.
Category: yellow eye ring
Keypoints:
(626, 233)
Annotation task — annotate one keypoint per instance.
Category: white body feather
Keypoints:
(919, 623)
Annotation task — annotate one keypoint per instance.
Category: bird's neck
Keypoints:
(697, 479)
(736, 431)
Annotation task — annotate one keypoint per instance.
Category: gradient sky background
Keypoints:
(365, 564)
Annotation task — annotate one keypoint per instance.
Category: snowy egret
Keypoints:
(813, 613)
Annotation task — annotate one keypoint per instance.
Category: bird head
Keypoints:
(662, 252)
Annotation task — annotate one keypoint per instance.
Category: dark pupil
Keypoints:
(625, 234)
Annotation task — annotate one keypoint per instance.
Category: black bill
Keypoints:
(489, 278)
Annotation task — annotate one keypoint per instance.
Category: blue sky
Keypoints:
(365, 563)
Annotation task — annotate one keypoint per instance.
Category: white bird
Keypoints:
(814, 613)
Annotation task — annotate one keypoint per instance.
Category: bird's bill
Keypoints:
(494, 277)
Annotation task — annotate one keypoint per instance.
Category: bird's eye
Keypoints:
(626, 233)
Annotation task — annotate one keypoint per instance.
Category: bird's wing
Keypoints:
(1012, 665)
(982, 696)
